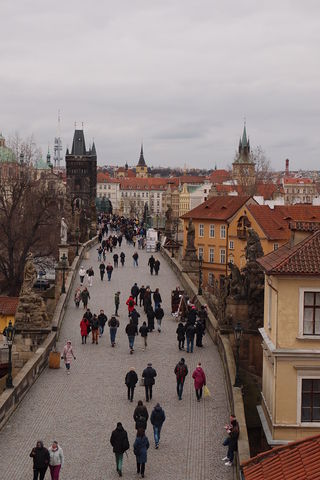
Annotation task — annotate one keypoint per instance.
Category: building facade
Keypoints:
(141, 168)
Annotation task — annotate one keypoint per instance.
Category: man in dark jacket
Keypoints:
(102, 269)
(95, 329)
(102, 318)
(135, 292)
(151, 264)
(115, 260)
(141, 416)
(157, 419)
(192, 315)
(157, 266)
(119, 441)
(181, 371)
(134, 315)
(41, 458)
(141, 295)
(159, 314)
(149, 375)
(150, 317)
(190, 332)
(131, 332)
(131, 382)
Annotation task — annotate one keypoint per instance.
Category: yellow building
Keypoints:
(290, 407)
(8, 307)
(141, 168)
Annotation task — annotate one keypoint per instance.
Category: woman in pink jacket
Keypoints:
(68, 355)
(199, 381)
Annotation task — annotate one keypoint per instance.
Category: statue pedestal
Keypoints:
(64, 250)
(190, 262)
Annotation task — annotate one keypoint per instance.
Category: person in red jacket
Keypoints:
(84, 324)
(131, 304)
(199, 381)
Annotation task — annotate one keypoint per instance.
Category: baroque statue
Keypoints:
(29, 276)
(191, 233)
(63, 232)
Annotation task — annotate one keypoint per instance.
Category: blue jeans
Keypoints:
(190, 343)
(156, 305)
(156, 433)
(135, 263)
(131, 341)
(231, 449)
(101, 329)
(180, 388)
(113, 332)
(109, 275)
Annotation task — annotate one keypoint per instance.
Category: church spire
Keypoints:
(141, 162)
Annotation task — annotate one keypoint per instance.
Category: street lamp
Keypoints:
(10, 331)
(200, 276)
(238, 331)
(77, 238)
(64, 268)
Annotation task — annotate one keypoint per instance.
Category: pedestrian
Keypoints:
(119, 240)
(131, 332)
(131, 382)
(149, 375)
(135, 292)
(199, 333)
(157, 419)
(181, 371)
(41, 458)
(203, 316)
(144, 333)
(199, 381)
(159, 314)
(156, 298)
(181, 335)
(192, 315)
(115, 260)
(232, 440)
(190, 333)
(151, 264)
(102, 269)
(113, 326)
(102, 319)
(95, 329)
(85, 295)
(56, 460)
(150, 317)
(120, 443)
(100, 250)
(122, 258)
(84, 325)
(90, 275)
(134, 315)
(109, 270)
(140, 416)
(77, 297)
(135, 257)
(88, 315)
(140, 448)
(82, 274)
(141, 295)
(117, 303)
(67, 355)
(156, 266)
(131, 304)
(104, 254)
(147, 303)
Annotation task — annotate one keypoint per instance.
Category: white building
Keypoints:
(109, 188)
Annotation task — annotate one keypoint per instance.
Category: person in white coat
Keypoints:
(56, 460)
(82, 274)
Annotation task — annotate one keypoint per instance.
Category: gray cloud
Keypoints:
(180, 75)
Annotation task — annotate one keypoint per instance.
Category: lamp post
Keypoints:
(77, 238)
(64, 268)
(200, 276)
(238, 331)
(10, 331)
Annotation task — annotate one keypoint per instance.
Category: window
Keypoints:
(231, 245)
(211, 231)
(201, 230)
(223, 231)
(310, 400)
(211, 255)
(275, 246)
(222, 255)
(200, 253)
(311, 313)
(105, 187)
(211, 279)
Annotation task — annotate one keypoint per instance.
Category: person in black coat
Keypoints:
(159, 314)
(41, 458)
(140, 416)
(190, 333)
(134, 315)
(151, 264)
(120, 443)
(181, 335)
(141, 295)
(149, 375)
(199, 333)
(157, 419)
(102, 269)
(135, 292)
(157, 266)
(131, 382)
(150, 317)
(192, 315)
(147, 299)
(144, 333)
(157, 298)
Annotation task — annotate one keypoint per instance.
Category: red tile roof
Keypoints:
(219, 176)
(186, 179)
(143, 183)
(295, 461)
(105, 178)
(273, 225)
(294, 181)
(300, 259)
(299, 212)
(218, 208)
(8, 305)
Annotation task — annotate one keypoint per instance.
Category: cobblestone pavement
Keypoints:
(81, 409)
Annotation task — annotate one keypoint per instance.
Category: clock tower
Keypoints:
(243, 168)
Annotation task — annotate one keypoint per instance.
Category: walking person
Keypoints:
(190, 333)
(131, 304)
(102, 269)
(181, 335)
(135, 292)
(120, 443)
(109, 271)
(131, 332)
(85, 295)
(41, 458)
(77, 297)
(113, 327)
(156, 298)
(143, 330)
(140, 448)
(116, 303)
(157, 419)
(131, 382)
(56, 460)
(95, 329)
(68, 355)
(134, 315)
(102, 319)
(84, 326)
(199, 333)
(159, 314)
(90, 275)
(115, 260)
(151, 264)
(141, 295)
(122, 258)
(140, 416)
(82, 274)
(156, 267)
(150, 317)
(181, 371)
(149, 375)
(147, 303)
(100, 250)
(199, 381)
(135, 257)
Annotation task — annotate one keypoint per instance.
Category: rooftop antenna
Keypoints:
(57, 146)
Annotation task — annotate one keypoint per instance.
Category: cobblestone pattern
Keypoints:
(81, 409)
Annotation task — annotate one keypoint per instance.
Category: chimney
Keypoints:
(287, 167)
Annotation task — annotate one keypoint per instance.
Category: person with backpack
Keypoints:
(113, 326)
(157, 419)
(131, 382)
(122, 258)
(102, 269)
(181, 335)
(140, 416)
(109, 270)
(131, 304)
(134, 315)
(120, 443)
(140, 448)
(159, 314)
(181, 371)
(143, 330)
(117, 303)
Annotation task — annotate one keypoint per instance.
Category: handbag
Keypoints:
(141, 382)
(206, 391)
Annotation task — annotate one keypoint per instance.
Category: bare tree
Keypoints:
(27, 147)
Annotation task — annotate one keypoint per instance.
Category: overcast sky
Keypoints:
(179, 74)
